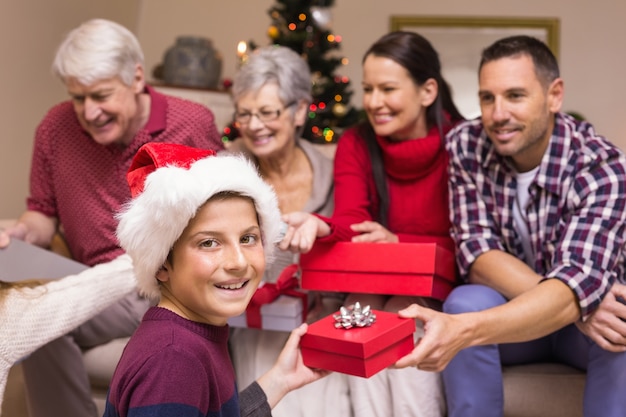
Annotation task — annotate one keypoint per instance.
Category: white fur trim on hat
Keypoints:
(152, 222)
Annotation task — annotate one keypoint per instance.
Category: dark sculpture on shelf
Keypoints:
(191, 62)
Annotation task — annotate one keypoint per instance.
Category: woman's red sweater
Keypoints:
(417, 183)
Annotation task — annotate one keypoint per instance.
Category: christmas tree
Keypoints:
(304, 26)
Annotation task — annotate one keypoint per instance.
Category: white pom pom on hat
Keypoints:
(169, 183)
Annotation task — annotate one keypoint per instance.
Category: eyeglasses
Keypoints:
(264, 115)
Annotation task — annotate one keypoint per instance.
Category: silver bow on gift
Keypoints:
(354, 316)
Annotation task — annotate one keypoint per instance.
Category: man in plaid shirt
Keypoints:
(539, 217)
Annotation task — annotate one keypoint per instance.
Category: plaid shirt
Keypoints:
(576, 210)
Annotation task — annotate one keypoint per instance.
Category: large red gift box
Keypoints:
(419, 269)
(359, 351)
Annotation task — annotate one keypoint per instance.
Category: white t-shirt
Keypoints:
(520, 220)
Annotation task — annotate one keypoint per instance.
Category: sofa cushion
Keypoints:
(543, 389)
(101, 361)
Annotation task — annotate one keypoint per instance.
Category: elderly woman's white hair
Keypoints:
(275, 64)
(97, 50)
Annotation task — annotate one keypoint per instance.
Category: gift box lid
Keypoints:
(368, 257)
(361, 342)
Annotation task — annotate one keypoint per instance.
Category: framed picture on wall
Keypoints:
(460, 41)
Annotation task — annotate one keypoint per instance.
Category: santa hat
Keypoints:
(169, 183)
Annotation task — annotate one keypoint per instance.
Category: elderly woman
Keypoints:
(272, 94)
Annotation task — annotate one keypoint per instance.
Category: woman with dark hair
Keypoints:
(391, 185)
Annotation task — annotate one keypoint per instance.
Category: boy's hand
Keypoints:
(289, 371)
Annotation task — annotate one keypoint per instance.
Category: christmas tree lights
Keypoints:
(304, 26)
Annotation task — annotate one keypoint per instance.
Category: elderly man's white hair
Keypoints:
(97, 50)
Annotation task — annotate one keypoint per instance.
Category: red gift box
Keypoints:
(418, 269)
(360, 351)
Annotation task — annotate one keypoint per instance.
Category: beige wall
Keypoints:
(592, 54)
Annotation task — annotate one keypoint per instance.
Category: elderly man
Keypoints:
(83, 149)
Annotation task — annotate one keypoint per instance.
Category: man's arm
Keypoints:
(545, 308)
(504, 273)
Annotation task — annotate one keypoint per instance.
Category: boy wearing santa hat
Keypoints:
(199, 229)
